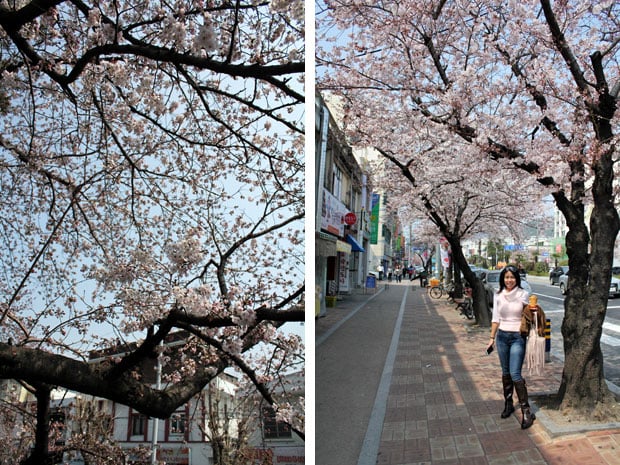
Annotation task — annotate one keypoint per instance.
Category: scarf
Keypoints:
(533, 318)
(533, 322)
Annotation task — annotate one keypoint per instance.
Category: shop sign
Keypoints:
(178, 456)
(343, 247)
(332, 211)
(350, 218)
(277, 456)
(374, 219)
(288, 456)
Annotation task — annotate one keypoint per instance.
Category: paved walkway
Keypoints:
(437, 398)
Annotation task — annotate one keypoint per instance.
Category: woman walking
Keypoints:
(508, 305)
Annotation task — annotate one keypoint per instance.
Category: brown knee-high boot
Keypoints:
(508, 389)
(528, 417)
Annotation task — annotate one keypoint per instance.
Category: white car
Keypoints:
(614, 286)
(491, 285)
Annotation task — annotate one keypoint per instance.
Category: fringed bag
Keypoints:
(535, 349)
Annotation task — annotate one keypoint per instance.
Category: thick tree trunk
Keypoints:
(583, 382)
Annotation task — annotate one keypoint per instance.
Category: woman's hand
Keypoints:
(490, 347)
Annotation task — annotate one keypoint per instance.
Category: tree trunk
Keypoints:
(583, 382)
(217, 452)
(457, 293)
(481, 308)
(40, 451)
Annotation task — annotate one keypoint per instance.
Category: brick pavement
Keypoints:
(445, 398)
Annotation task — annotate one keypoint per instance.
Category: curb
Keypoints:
(554, 431)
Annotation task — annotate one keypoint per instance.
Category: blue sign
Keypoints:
(371, 282)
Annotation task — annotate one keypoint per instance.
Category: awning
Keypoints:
(355, 246)
(343, 247)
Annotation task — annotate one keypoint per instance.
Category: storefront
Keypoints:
(325, 247)
(330, 249)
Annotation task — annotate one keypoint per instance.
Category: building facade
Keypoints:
(386, 242)
(342, 220)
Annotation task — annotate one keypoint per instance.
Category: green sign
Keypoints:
(374, 219)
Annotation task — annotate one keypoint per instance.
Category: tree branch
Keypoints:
(560, 42)
(36, 366)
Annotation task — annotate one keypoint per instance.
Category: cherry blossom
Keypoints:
(132, 138)
(517, 87)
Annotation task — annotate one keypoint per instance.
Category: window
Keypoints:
(57, 426)
(138, 424)
(177, 423)
(272, 428)
(57, 418)
(337, 182)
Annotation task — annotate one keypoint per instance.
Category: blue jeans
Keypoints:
(511, 351)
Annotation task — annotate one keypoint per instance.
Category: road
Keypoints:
(552, 302)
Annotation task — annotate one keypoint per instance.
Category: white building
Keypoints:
(342, 221)
(381, 251)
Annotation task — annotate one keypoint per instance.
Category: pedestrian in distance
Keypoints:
(508, 305)
(398, 273)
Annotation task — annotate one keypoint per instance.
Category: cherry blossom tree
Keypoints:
(531, 85)
(449, 197)
(151, 170)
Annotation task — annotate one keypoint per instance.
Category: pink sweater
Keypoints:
(508, 307)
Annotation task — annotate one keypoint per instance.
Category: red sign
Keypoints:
(350, 218)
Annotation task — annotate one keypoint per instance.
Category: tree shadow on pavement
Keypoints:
(445, 396)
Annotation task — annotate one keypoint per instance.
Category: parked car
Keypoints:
(614, 286)
(491, 285)
(480, 272)
(555, 273)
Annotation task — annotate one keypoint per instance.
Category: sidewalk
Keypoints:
(444, 396)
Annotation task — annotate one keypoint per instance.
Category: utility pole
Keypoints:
(156, 420)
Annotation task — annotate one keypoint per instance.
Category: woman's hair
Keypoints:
(515, 271)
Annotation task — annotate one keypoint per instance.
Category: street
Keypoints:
(402, 378)
(552, 302)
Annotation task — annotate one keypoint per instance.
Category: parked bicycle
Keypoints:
(466, 305)
(437, 290)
